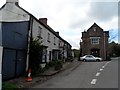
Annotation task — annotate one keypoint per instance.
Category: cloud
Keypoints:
(103, 11)
(73, 40)
(113, 35)
(71, 17)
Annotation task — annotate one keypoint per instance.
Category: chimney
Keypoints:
(43, 20)
(57, 33)
(13, 1)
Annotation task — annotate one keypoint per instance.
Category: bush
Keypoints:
(34, 56)
(52, 63)
(47, 66)
(58, 64)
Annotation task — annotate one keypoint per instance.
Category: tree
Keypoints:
(76, 53)
(114, 49)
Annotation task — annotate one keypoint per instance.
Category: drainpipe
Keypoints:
(1, 55)
(104, 48)
(29, 38)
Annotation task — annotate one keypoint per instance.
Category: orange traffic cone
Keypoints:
(29, 78)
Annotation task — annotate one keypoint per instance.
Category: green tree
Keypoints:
(114, 49)
(76, 53)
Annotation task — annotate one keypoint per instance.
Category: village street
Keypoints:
(87, 75)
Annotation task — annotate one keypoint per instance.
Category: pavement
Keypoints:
(20, 82)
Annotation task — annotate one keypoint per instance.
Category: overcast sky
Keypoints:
(71, 17)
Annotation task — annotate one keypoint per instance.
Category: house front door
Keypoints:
(95, 52)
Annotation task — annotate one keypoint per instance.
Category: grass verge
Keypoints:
(6, 86)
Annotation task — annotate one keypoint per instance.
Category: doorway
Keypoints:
(95, 52)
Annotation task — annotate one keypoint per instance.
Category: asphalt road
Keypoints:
(87, 75)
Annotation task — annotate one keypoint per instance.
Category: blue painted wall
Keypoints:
(14, 34)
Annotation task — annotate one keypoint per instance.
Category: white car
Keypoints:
(90, 58)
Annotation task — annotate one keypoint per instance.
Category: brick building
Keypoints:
(95, 42)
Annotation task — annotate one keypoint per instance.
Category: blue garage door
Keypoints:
(14, 63)
(20, 63)
(8, 69)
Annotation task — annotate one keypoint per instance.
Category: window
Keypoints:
(94, 40)
(50, 53)
(39, 32)
(48, 37)
(54, 41)
(44, 55)
(94, 29)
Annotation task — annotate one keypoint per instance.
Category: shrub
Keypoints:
(47, 66)
(52, 63)
(34, 56)
(58, 64)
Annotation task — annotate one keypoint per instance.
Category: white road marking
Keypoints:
(106, 63)
(93, 81)
(101, 69)
(97, 74)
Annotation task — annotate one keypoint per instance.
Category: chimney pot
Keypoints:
(43, 20)
(12, 1)
(57, 33)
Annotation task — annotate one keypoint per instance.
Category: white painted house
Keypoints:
(50, 39)
(16, 27)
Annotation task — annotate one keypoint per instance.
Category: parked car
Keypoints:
(90, 58)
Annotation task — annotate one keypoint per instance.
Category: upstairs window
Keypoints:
(94, 40)
(39, 32)
(54, 41)
(48, 37)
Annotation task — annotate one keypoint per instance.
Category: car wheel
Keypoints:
(84, 60)
(98, 60)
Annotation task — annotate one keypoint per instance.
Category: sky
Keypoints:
(71, 17)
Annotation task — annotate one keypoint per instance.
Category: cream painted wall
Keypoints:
(44, 36)
(11, 13)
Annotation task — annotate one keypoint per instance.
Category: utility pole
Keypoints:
(104, 46)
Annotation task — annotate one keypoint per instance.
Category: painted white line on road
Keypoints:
(101, 69)
(97, 74)
(106, 63)
(93, 81)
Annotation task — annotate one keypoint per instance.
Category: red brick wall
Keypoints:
(86, 45)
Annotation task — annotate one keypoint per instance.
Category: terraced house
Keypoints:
(17, 28)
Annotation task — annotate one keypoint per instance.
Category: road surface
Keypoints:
(87, 75)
